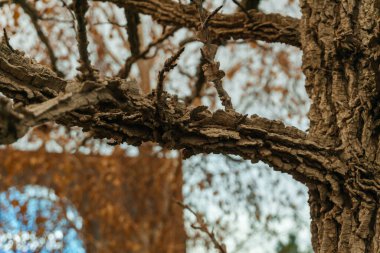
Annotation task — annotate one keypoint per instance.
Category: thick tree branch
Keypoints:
(113, 108)
(266, 27)
(24, 80)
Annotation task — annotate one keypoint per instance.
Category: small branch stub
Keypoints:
(169, 65)
(6, 40)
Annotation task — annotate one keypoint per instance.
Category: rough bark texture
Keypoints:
(114, 109)
(341, 45)
(266, 27)
(338, 158)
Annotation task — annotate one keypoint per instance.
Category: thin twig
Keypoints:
(203, 227)
(133, 21)
(169, 65)
(110, 22)
(211, 67)
(6, 39)
(198, 86)
(243, 10)
(34, 17)
(124, 72)
(80, 9)
(70, 12)
(212, 14)
(48, 19)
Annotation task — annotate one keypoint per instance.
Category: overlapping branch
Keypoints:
(211, 69)
(169, 65)
(199, 83)
(34, 17)
(124, 72)
(133, 21)
(112, 108)
(201, 225)
(266, 27)
(80, 9)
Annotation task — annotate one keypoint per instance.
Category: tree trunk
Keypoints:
(341, 46)
(353, 226)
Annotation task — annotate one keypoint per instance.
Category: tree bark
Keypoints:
(267, 27)
(338, 158)
(340, 42)
(352, 226)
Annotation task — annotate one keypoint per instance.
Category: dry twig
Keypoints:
(133, 21)
(169, 65)
(34, 17)
(244, 10)
(198, 86)
(211, 67)
(202, 226)
(124, 72)
(6, 39)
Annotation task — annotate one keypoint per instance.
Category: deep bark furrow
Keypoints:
(349, 228)
(337, 53)
(340, 85)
